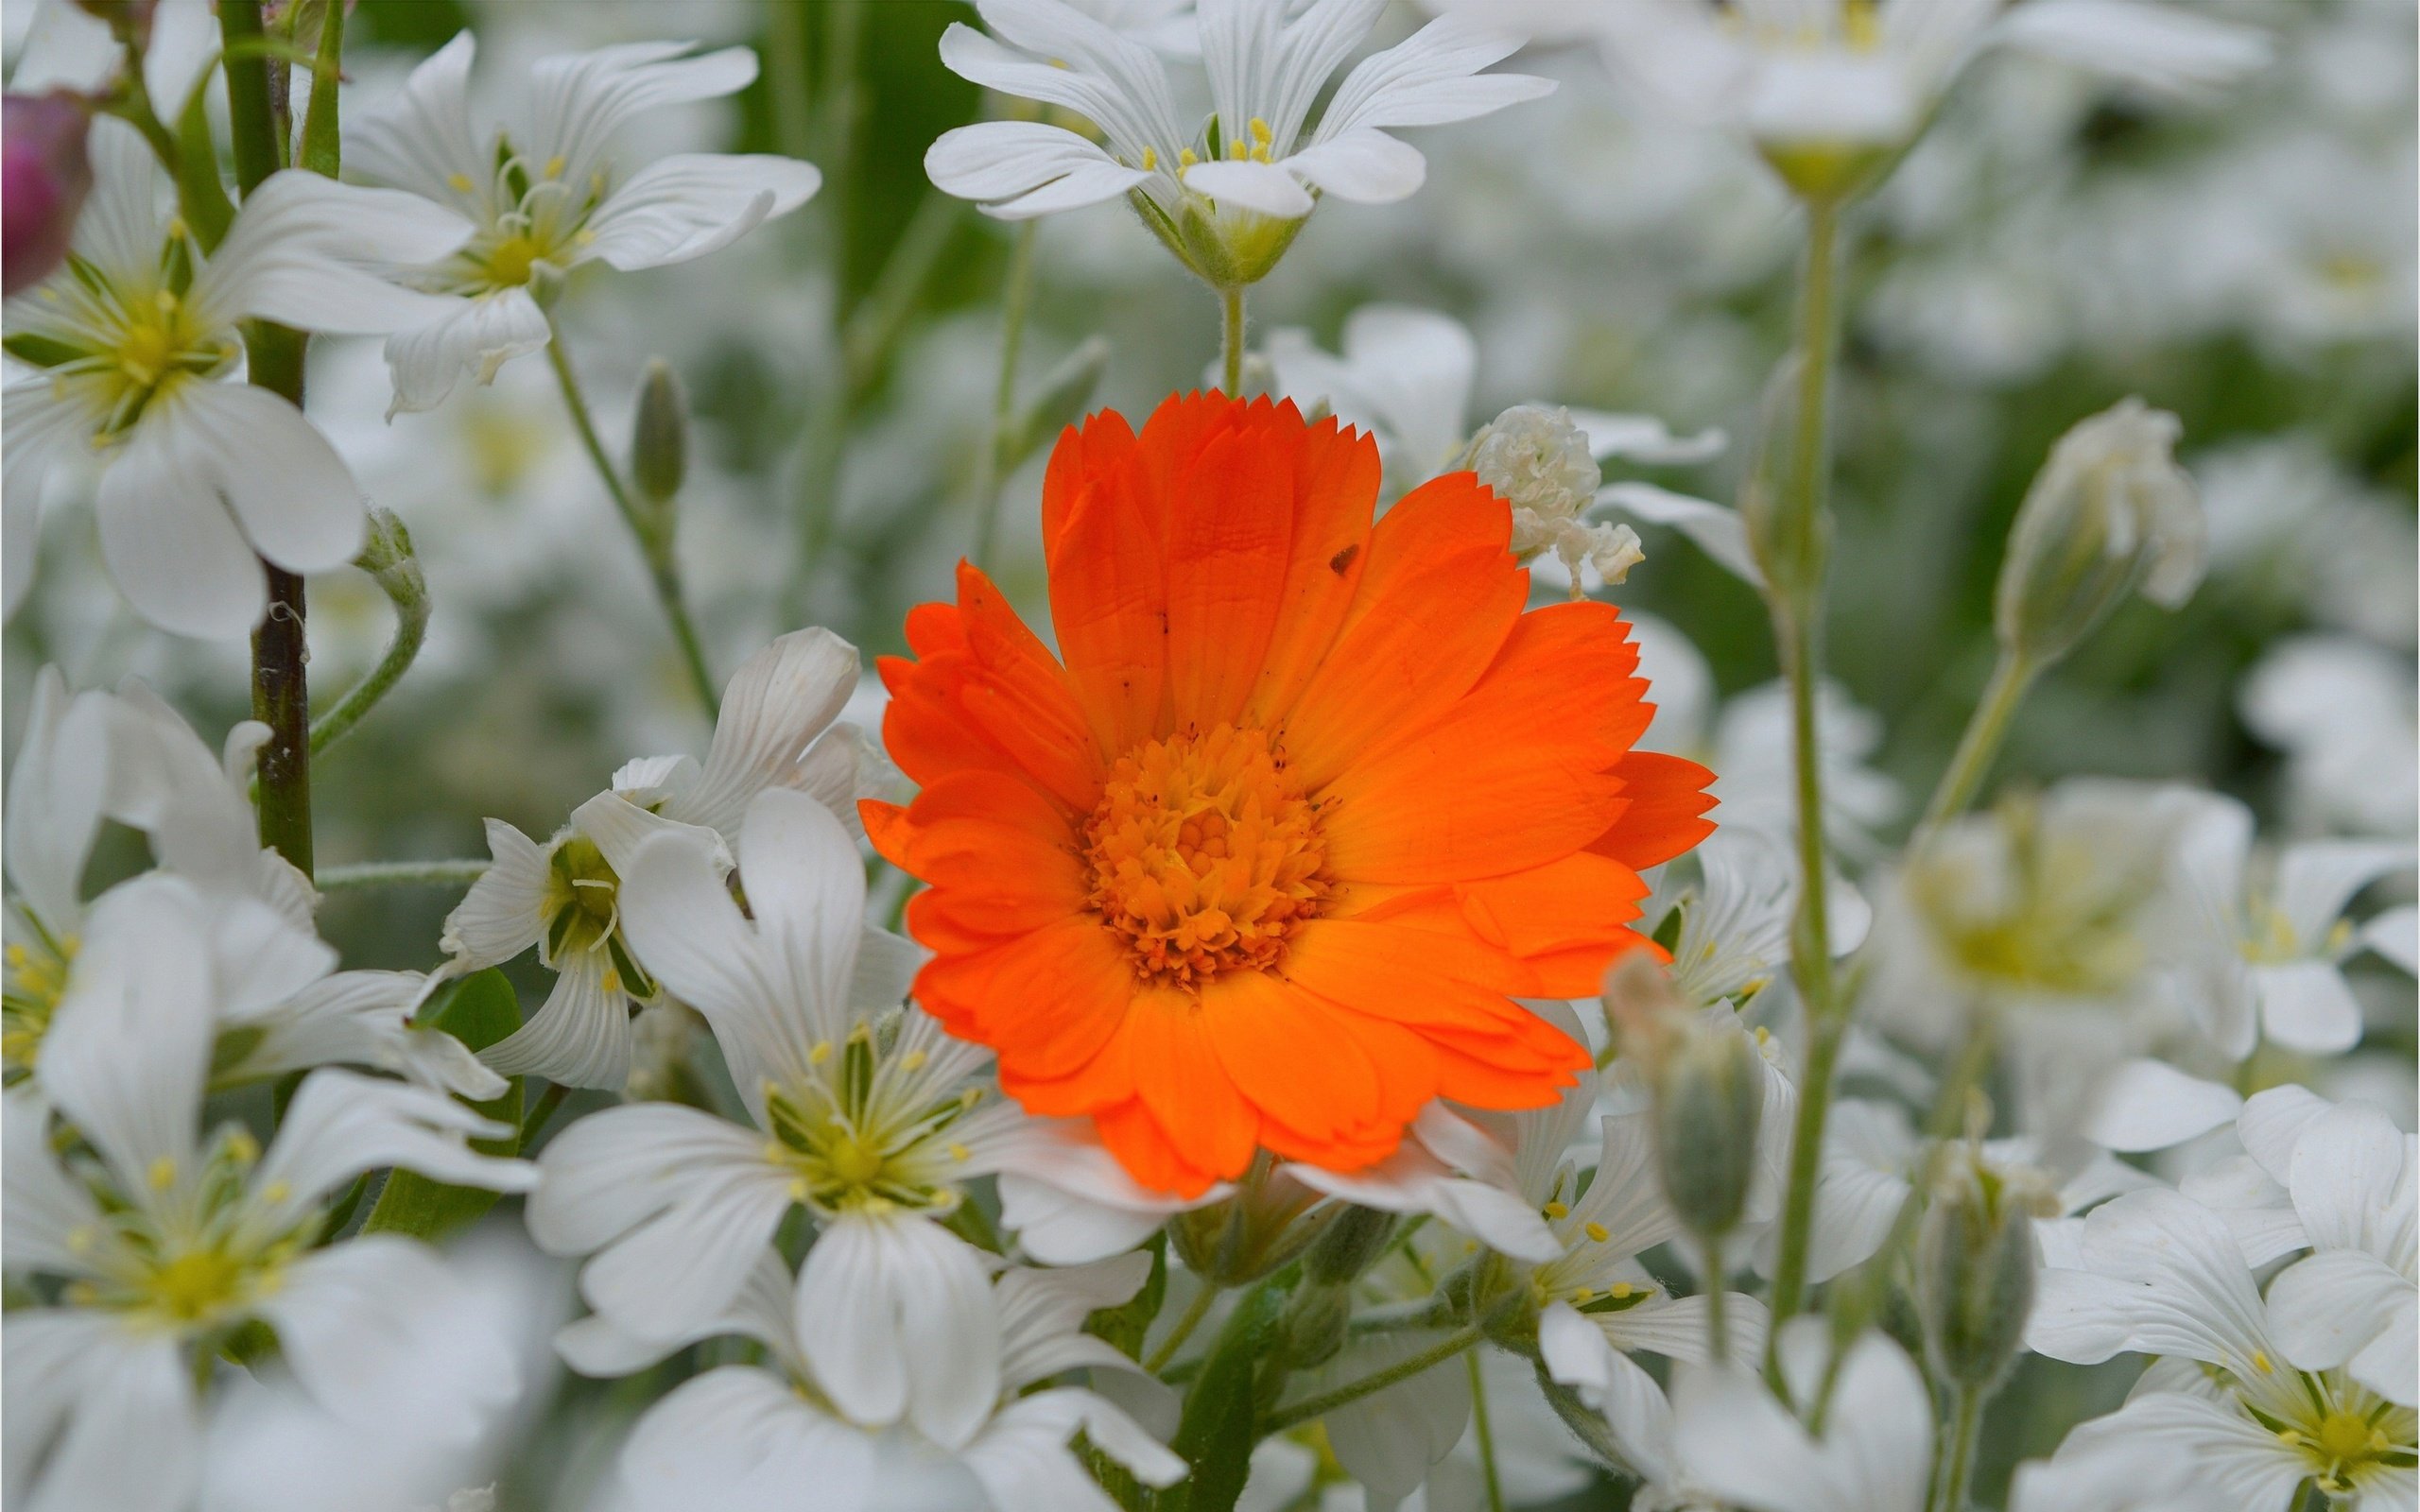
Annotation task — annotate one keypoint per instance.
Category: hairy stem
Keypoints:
(403, 874)
(1718, 1323)
(1014, 297)
(652, 537)
(1798, 614)
(411, 631)
(1232, 349)
(1986, 731)
(1376, 1380)
(1485, 1433)
(1957, 1466)
(1186, 1322)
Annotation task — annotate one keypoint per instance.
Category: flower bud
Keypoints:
(1313, 1327)
(2109, 513)
(386, 556)
(1707, 1085)
(1975, 1271)
(44, 178)
(1355, 1239)
(1789, 534)
(660, 435)
(1267, 1223)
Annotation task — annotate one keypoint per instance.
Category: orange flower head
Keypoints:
(1263, 857)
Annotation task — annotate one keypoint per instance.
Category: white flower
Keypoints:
(549, 197)
(2341, 710)
(2260, 955)
(777, 1437)
(1407, 374)
(66, 47)
(168, 1241)
(2096, 1474)
(202, 475)
(776, 729)
(871, 1120)
(1826, 75)
(1735, 1440)
(1227, 198)
(2159, 1274)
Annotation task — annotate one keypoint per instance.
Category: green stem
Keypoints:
(1232, 349)
(786, 62)
(1958, 1462)
(1986, 731)
(322, 135)
(280, 685)
(1015, 295)
(1718, 1325)
(411, 630)
(541, 1113)
(401, 874)
(654, 542)
(1798, 613)
(1376, 1380)
(1186, 1322)
(1486, 1435)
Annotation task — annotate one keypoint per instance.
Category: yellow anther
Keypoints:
(1595, 1231)
(1583, 1295)
(84, 1294)
(820, 1054)
(1261, 138)
(458, 183)
(612, 980)
(1239, 149)
(243, 1147)
(1621, 1290)
(163, 1173)
(555, 166)
(1150, 159)
(798, 1189)
(2260, 1362)
(79, 1239)
(1556, 1211)
(276, 1191)
(1185, 159)
(958, 1151)
(912, 1060)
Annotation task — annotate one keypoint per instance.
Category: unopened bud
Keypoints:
(1355, 1239)
(2109, 514)
(45, 175)
(386, 556)
(660, 434)
(1789, 530)
(1707, 1085)
(1313, 1327)
(1237, 1241)
(1975, 1271)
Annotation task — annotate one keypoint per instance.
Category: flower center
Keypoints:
(195, 1285)
(37, 978)
(510, 260)
(584, 913)
(1205, 855)
(866, 1134)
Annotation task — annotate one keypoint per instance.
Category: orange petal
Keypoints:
(1665, 800)
(1048, 1002)
(1153, 1160)
(1336, 491)
(1230, 532)
(1106, 546)
(1014, 689)
(1178, 1072)
(1288, 1055)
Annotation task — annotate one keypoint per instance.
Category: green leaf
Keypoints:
(1222, 1414)
(478, 1010)
(1124, 1325)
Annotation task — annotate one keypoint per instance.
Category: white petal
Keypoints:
(2351, 1182)
(1718, 532)
(260, 960)
(342, 1124)
(1411, 1181)
(738, 1439)
(693, 203)
(2236, 1462)
(41, 426)
(1019, 169)
(503, 913)
(2161, 46)
(1261, 186)
(2316, 879)
(171, 545)
(1577, 1354)
(363, 1019)
(298, 253)
(2396, 935)
(2307, 1005)
(1432, 79)
(55, 798)
(128, 1393)
(579, 1037)
(2166, 1277)
(1043, 1312)
(806, 885)
(2149, 1105)
(1366, 167)
(291, 493)
(50, 1217)
(578, 100)
(357, 1323)
(423, 139)
(1025, 1464)
(897, 1317)
(772, 709)
(1678, 1328)
(1389, 1440)
(1644, 439)
(2326, 1307)
(476, 336)
(2274, 1122)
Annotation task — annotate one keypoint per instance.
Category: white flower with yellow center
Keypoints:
(776, 729)
(551, 194)
(1228, 198)
(135, 354)
(167, 1246)
(2158, 1273)
(871, 1118)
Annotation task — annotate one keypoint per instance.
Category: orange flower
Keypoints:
(1310, 801)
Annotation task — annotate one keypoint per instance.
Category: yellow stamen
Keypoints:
(1595, 1231)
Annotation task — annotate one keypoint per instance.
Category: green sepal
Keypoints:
(1238, 1382)
(1124, 1325)
(478, 1010)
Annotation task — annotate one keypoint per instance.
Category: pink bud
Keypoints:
(43, 176)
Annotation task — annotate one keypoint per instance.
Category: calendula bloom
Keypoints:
(169, 1240)
(1262, 862)
(777, 730)
(549, 196)
(136, 356)
(1227, 198)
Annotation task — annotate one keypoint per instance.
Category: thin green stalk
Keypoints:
(541, 1113)
(1014, 297)
(1986, 731)
(1376, 1380)
(1718, 1325)
(401, 874)
(411, 631)
(1957, 1467)
(1186, 1322)
(1798, 613)
(1231, 349)
(654, 542)
(281, 683)
(1486, 1435)
(320, 133)
(786, 59)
